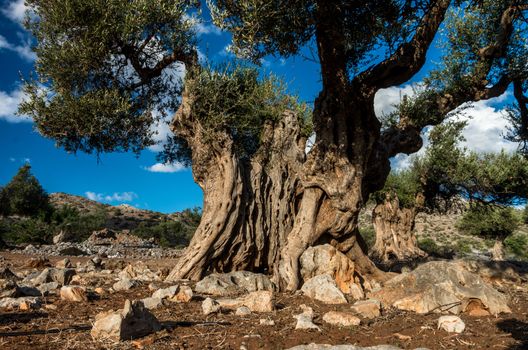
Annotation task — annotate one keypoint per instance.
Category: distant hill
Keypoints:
(119, 217)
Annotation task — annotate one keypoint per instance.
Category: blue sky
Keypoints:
(141, 181)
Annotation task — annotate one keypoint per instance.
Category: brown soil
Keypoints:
(68, 327)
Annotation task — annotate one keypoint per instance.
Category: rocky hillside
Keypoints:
(119, 217)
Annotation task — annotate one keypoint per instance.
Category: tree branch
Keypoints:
(410, 56)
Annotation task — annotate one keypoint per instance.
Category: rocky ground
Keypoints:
(49, 302)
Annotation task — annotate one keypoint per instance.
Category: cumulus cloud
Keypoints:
(207, 29)
(166, 167)
(115, 197)
(484, 132)
(15, 10)
(24, 50)
(9, 102)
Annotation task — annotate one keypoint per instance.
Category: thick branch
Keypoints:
(410, 56)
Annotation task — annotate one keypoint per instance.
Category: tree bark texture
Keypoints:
(394, 225)
(249, 203)
(497, 252)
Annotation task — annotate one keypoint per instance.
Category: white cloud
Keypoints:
(24, 50)
(484, 132)
(166, 167)
(15, 10)
(9, 102)
(207, 29)
(115, 197)
(386, 100)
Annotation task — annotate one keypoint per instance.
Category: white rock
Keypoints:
(259, 301)
(124, 284)
(367, 308)
(341, 319)
(305, 319)
(15, 303)
(451, 324)
(266, 322)
(223, 284)
(323, 288)
(134, 321)
(73, 293)
(242, 311)
(165, 292)
(210, 306)
(152, 303)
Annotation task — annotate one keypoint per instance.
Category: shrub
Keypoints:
(24, 195)
(79, 226)
(489, 221)
(429, 246)
(28, 230)
(167, 233)
(518, 245)
(369, 235)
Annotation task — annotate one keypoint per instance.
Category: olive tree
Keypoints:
(104, 67)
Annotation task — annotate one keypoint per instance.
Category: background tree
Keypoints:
(24, 195)
(104, 65)
(428, 184)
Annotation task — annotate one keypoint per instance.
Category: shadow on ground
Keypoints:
(519, 331)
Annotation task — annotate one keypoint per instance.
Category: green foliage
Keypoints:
(80, 226)
(403, 184)
(26, 230)
(489, 221)
(517, 244)
(235, 99)
(262, 27)
(171, 233)
(525, 214)
(24, 195)
(369, 235)
(429, 246)
(99, 66)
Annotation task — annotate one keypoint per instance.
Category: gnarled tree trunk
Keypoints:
(249, 203)
(393, 224)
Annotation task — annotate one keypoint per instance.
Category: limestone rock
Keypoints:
(266, 322)
(440, 286)
(124, 284)
(223, 284)
(15, 303)
(184, 295)
(259, 301)
(367, 308)
(7, 274)
(325, 259)
(139, 271)
(341, 319)
(63, 264)
(242, 311)
(61, 276)
(47, 288)
(9, 289)
(152, 303)
(62, 236)
(134, 321)
(210, 306)
(165, 292)
(73, 293)
(305, 319)
(451, 324)
(323, 288)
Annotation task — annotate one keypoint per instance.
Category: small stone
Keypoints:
(152, 303)
(63, 264)
(210, 306)
(341, 319)
(73, 293)
(259, 301)
(266, 322)
(165, 292)
(224, 284)
(184, 295)
(305, 319)
(50, 307)
(451, 324)
(323, 288)
(124, 284)
(9, 289)
(356, 292)
(243, 311)
(47, 288)
(134, 321)
(14, 303)
(367, 308)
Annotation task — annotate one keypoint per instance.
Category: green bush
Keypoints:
(489, 221)
(517, 245)
(27, 230)
(369, 235)
(429, 246)
(80, 226)
(167, 233)
(24, 195)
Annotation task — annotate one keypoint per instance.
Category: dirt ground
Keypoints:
(185, 327)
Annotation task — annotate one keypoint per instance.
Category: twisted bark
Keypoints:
(393, 224)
